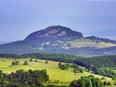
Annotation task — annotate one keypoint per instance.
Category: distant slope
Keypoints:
(97, 62)
(90, 43)
(100, 39)
(60, 39)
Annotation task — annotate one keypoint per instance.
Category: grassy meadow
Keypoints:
(56, 75)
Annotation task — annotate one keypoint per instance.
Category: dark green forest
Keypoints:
(24, 79)
(87, 81)
(102, 65)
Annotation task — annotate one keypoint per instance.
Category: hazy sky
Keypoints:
(18, 18)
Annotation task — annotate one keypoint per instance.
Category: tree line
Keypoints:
(24, 78)
(102, 65)
(88, 81)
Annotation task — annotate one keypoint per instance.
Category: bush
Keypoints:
(63, 66)
(46, 62)
(31, 60)
(76, 70)
(36, 60)
(25, 63)
(109, 83)
(15, 63)
(105, 83)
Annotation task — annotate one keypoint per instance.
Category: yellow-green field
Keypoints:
(55, 73)
(89, 43)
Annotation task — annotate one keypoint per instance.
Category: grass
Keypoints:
(55, 73)
(89, 43)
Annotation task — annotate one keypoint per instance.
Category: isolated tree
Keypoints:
(36, 60)
(59, 63)
(46, 62)
(25, 62)
(76, 70)
(15, 63)
(109, 83)
(31, 60)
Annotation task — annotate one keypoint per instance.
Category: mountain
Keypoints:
(54, 33)
(60, 39)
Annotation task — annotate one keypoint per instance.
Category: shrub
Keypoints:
(25, 63)
(46, 62)
(31, 60)
(15, 63)
(36, 60)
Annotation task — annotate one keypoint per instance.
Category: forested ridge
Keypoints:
(97, 62)
(53, 57)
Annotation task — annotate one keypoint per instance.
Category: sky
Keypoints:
(19, 18)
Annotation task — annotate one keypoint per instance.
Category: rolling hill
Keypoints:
(54, 72)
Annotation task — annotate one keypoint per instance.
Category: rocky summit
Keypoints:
(54, 33)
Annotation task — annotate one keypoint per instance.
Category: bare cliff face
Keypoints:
(55, 33)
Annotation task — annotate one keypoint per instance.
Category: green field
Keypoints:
(55, 73)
